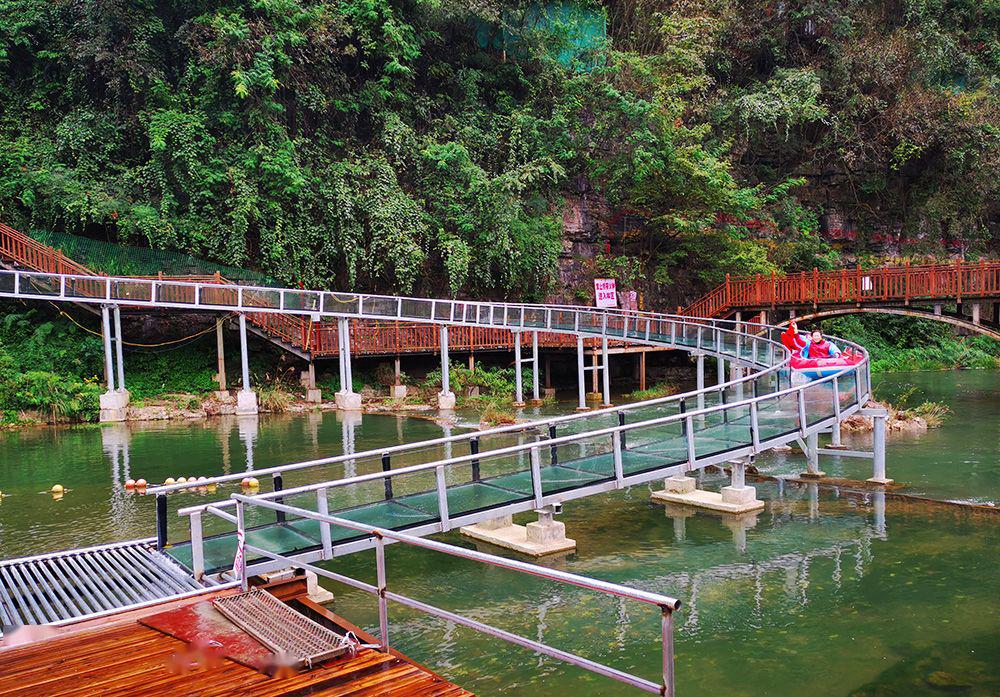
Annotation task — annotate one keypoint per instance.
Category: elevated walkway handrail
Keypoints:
(549, 422)
(615, 432)
(380, 590)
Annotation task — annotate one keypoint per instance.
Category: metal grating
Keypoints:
(80, 583)
(289, 634)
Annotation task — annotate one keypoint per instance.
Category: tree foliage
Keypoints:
(399, 145)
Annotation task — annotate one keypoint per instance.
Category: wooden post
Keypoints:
(642, 370)
(906, 283)
(774, 289)
(220, 348)
(728, 292)
(958, 280)
(857, 283)
(815, 287)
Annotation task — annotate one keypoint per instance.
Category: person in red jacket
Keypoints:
(818, 347)
(814, 345)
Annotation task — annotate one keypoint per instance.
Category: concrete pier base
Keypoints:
(246, 402)
(397, 391)
(548, 392)
(545, 536)
(114, 406)
(314, 395)
(732, 499)
(223, 396)
(446, 400)
(884, 482)
(348, 401)
(316, 592)
(818, 474)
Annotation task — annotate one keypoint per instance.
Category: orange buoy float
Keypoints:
(129, 483)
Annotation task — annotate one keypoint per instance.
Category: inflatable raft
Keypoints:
(816, 368)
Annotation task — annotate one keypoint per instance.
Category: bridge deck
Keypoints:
(655, 450)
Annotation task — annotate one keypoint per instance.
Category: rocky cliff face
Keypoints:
(586, 233)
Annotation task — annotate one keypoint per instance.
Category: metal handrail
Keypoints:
(511, 428)
(666, 604)
(613, 430)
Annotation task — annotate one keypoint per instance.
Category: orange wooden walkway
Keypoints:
(899, 285)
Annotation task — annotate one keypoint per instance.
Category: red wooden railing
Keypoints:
(316, 338)
(885, 285)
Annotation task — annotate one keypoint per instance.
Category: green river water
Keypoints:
(822, 593)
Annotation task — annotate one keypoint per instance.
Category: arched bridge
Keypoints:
(902, 290)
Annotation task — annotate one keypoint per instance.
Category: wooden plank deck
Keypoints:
(123, 657)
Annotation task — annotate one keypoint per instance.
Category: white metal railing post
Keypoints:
(802, 411)
(240, 565)
(536, 476)
(17, 283)
(197, 547)
(616, 447)
(383, 603)
(754, 426)
(323, 508)
(442, 497)
(667, 639)
(689, 433)
(107, 289)
(580, 377)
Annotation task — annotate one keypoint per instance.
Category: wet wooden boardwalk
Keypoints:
(124, 657)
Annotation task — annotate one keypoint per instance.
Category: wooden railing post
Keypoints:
(774, 289)
(857, 286)
(815, 287)
(906, 283)
(958, 280)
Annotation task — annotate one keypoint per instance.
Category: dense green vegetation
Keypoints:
(377, 144)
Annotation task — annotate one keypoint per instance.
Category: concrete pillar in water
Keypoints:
(446, 398)
(398, 389)
(812, 457)
(581, 380)
(546, 536)
(937, 309)
(735, 498)
(313, 393)
(114, 402)
(878, 450)
(246, 399)
(220, 351)
(975, 313)
(720, 370)
(346, 399)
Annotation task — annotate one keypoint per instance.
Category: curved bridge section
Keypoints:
(439, 485)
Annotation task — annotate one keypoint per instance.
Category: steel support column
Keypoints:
(109, 368)
(581, 379)
(119, 350)
(606, 372)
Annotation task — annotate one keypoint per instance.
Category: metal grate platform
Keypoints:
(80, 583)
(288, 633)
